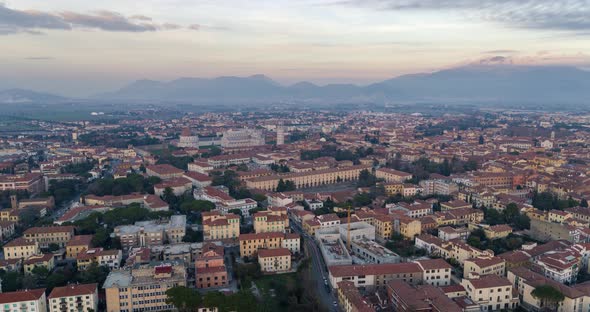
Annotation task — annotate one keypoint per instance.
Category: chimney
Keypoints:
(13, 202)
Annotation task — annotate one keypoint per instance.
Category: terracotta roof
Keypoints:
(49, 229)
(21, 295)
(277, 252)
(433, 264)
(266, 235)
(73, 290)
(80, 240)
(489, 281)
(374, 269)
(19, 242)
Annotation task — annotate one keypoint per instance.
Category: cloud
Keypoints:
(39, 58)
(194, 27)
(495, 60)
(207, 27)
(569, 15)
(35, 22)
(500, 52)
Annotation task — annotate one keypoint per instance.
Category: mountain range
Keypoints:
(467, 84)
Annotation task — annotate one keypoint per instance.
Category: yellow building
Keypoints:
(217, 226)
(497, 231)
(20, 248)
(392, 175)
(383, 227)
(78, 244)
(271, 221)
(143, 288)
(491, 292)
(42, 260)
(250, 243)
(47, 235)
(407, 226)
(274, 260)
(9, 214)
(392, 188)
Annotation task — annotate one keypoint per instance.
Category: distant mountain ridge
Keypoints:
(472, 84)
(487, 83)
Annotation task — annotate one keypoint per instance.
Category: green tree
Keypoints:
(549, 296)
(584, 203)
(184, 298)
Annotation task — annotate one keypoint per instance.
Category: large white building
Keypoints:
(242, 138)
(187, 139)
(74, 298)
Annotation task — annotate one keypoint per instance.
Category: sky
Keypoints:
(85, 47)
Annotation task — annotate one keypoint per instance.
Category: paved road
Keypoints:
(326, 296)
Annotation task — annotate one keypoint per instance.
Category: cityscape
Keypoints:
(146, 165)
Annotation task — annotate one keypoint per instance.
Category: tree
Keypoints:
(366, 179)
(584, 203)
(481, 140)
(549, 296)
(510, 212)
(183, 298)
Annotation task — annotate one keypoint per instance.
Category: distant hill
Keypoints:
(473, 83)
(15, 96)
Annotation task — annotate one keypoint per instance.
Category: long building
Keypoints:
(308, 179)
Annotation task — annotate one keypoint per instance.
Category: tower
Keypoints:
(348, 231)
(280, 135)
(13, 202)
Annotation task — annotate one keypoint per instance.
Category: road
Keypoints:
(326, 296)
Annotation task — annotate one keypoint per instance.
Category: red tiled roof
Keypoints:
(21, 295)
(277, 252)
(73, 290)
(374, 269)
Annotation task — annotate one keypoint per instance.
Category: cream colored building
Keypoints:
(484, 265)
(74, 298)
(250, 243)
(47, 235)
(276, 260)
(392, 175)
(29, 300)
(308, 179)
(20, 248)
(491, 292)
(271, 221)
(217, 226)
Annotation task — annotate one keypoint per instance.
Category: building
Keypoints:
(143, 286)
(406, 226)
(223, 202)
(250, 243)
(30, 182)
(163, 171)
(243, 138)
(47, 235)
(454, 204)
(150, 233)
(271, 221)
(560, 265)
(210, 267)
(447, 233)
(187, 139)
(20, 248)
(217, 226)
(424, 298)
(491, 292)
(308, 179)
(368, 251)
(29, 300)
(179, 186)
(276, 260)
(74, 298)
(350, 299)
(99, 256)
(525, 281)
(392, 175)
(375, 276)
(436, 272)
(77, 244)
(39, 261)
(484, 265)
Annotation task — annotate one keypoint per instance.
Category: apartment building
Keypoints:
(484, 265)
(425, 298)
(100, 256)
(143, 286)
(74, 298)
(47, 235)
(271, 221)
(436, 272)
(375, 276)
(20, 248)
(217, 226)
(150, 233)
(350, 299)
(29, 300)
(77, 244)
(276, 260)
(406, 226)
(560, 265)
(491, 292)
(250, 243)
(178, 185)
(210, 267)
(39, 261)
